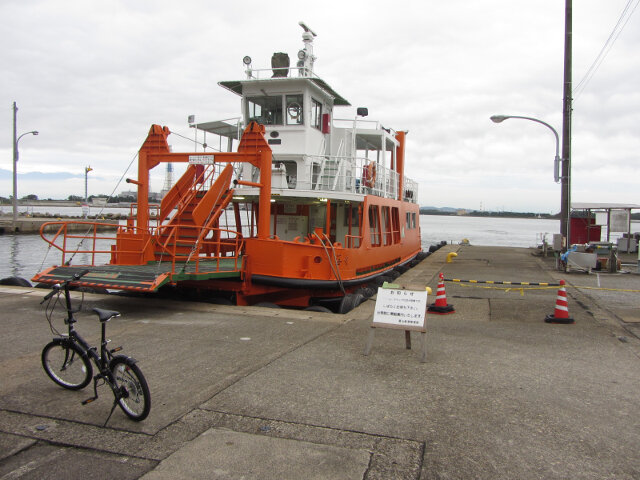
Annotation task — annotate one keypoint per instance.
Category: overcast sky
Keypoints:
(92, 77)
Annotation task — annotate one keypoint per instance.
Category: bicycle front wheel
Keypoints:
(67, 364)
(136, 399)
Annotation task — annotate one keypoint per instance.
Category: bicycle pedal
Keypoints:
(117, 349)
(89, 400)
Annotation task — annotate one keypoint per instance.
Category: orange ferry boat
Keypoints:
(307, 209)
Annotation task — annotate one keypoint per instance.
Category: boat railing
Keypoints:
(410, 190)
(345, 174)
(154, 213)
(282, 72)
(361, 124)
(87, 239)
(219, 250)
(353, 241)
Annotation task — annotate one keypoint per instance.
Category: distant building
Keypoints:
(153, 196)
(130, 193)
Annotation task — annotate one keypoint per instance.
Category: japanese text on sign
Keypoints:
(403, 308)
(201, 159)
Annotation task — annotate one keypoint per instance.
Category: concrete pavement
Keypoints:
(245, 392)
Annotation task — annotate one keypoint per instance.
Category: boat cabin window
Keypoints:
(266, 110)
(395, 224)
(294, 110)
(316, 114)
(411, 220)
(374, 226)
(352, 216)
(386, 225)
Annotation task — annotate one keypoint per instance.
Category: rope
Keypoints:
(508, 289)
(542, 284)
(202, 144)
(530, 286)
(335, 273)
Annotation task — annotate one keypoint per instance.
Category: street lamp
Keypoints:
(86, 191)
(556, 162)
(556, 167)
(15, 164)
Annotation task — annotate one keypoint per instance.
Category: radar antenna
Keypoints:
(307, 29)
(305, 56)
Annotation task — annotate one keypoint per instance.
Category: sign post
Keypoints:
(403, 310)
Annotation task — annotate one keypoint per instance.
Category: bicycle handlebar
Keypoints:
(50, 294)
(77, 276)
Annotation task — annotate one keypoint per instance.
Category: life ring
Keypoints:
(369, 175)
(294, 110)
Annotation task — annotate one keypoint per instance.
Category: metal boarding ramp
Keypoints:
(140, 278)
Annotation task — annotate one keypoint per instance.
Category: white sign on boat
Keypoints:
(201, 159)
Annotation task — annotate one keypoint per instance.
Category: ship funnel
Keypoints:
(280, 64)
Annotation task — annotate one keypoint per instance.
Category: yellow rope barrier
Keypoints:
(474, 283)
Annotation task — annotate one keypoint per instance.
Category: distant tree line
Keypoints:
(484, 213)
(72, 198)
(478, 213)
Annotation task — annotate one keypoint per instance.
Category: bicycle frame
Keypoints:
(120, 372)
(102, 360)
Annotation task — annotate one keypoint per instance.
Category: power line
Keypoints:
(606, 48)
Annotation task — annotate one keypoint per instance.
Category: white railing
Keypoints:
(410, 188)
(288, 72)
(352, 175)
(361, 124)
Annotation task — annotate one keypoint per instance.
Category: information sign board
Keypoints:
(404, 309)
(400, 309)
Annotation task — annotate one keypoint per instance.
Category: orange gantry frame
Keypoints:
(252, 149)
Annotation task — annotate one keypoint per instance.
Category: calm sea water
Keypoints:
(25, 255)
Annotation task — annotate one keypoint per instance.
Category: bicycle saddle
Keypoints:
(105, 315)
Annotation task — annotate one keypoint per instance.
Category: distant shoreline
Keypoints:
(544, 216)
(65, 203)
(449, 212)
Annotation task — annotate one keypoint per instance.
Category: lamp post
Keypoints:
(15, 163)
(86, 191)
(564, 218)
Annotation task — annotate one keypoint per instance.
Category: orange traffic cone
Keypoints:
(561, 313)
(441, 307)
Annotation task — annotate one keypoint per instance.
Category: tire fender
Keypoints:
(122, 358)
(16, 282)
(66, 342)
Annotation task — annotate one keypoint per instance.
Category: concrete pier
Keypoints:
(246, 392)
(33, 224)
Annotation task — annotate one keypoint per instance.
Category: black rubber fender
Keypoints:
(266, 305)
(317, 308)
(16, 282)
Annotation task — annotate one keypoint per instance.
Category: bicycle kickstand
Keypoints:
(113, 407)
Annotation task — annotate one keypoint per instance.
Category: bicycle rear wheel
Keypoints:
(136, 401)
(67, 364)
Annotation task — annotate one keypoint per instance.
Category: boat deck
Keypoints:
(141, 278)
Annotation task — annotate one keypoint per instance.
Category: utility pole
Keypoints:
(565, 210)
